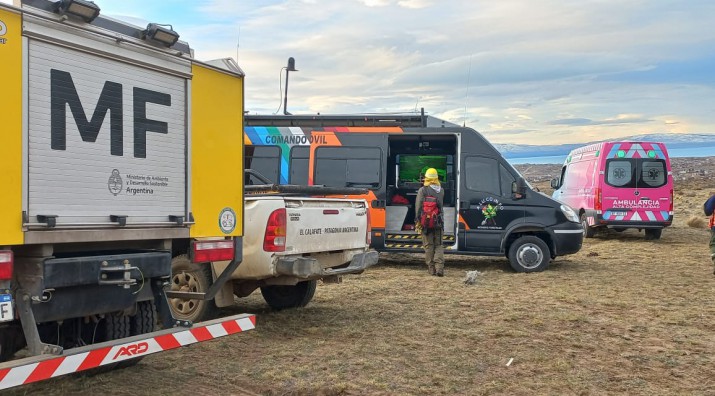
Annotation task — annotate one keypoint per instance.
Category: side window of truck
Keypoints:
(348, 166)
(482, 174)
(299, 165)
(506, 179)
(266, 160)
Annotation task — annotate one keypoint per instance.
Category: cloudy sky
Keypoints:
(519, 71)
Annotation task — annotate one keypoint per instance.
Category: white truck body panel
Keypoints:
(331, 238)
(320, 225)
(145, 189)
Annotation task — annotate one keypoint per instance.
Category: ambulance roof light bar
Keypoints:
(83, 9)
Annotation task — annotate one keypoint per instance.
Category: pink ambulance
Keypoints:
(618, 185)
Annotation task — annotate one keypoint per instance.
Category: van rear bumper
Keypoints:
(634, 224)
(567, 239)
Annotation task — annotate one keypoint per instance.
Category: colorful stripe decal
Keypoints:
(644, 215)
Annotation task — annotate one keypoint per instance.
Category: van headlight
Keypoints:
(570, 214)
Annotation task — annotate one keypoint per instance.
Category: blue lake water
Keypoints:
(559, 159)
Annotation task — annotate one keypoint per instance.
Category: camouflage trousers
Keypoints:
(712, 245)
(434, 251)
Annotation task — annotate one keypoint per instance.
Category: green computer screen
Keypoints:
(413, 167)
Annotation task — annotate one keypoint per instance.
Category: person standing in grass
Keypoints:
(709, 208)
(428, 210)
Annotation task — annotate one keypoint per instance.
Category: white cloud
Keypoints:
(510, 68)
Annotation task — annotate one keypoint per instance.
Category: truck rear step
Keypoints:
(412, 241)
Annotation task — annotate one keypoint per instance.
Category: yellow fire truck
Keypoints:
(114, 147)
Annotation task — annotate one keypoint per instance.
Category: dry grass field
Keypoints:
(623, 316)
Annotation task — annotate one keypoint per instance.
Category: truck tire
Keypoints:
(652, 234)
(529, 254)
(281, 297)
(144, 321)
(588, 232)
(191, 277)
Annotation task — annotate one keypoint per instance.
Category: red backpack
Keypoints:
(430, 217)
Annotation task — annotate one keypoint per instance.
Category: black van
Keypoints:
(489, 208)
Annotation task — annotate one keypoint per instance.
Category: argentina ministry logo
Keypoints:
(115, 182)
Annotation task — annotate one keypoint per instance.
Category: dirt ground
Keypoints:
(623, 316)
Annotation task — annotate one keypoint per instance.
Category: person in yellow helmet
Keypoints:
(429, 221)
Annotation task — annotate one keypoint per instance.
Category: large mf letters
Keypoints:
(63, 93)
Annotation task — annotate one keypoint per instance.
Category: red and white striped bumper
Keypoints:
(38, 368)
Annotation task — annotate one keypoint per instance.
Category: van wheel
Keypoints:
(191, 277)
(529, 254)
(652, 234)
(588, 232)
(281, 297)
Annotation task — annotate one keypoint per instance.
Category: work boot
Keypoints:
(440, 272)
(431, 270)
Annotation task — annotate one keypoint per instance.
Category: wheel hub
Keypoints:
(530, 256)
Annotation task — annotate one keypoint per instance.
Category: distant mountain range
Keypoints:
(672, 141)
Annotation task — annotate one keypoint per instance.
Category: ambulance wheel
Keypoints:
(588, 232)
(191, 277)
(529, 254)
(281, 297)
(652, 234)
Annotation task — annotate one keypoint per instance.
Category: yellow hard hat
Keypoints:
(431, 173)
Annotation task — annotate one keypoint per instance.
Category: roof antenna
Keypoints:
(466, 95)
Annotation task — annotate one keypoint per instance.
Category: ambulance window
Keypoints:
(619, 173)
(266, 160)
(299, 165)
(481, 174)
(653, 173)
(348, 166)
(506, 179)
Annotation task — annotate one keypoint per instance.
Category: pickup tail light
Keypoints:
(275, 236)
(210, 251)
(368, 236)
(6, 264)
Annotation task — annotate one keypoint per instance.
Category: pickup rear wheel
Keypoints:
(280, 297)
(191, 277)
(529, 254)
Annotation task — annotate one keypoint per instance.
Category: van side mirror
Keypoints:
(555, 183)
(518, 188)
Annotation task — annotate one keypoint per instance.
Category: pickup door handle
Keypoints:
(464, 205)
(379, 203)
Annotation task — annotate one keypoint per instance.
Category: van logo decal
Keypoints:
(490, 207)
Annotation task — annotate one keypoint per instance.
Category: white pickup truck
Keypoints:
(291, 239)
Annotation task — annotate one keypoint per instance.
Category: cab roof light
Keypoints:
(83, 9)
(163, 34)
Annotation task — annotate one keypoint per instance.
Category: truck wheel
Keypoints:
(280, 297)
(652, 234)
(588, 232)
(529, 254)
(191, 277)
(144, 321)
